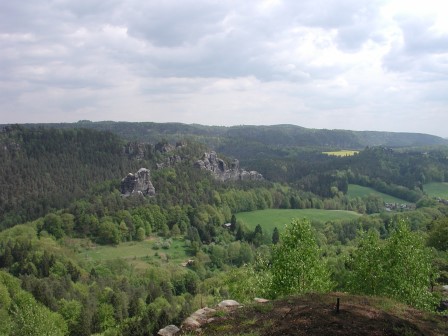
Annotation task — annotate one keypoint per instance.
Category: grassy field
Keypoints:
(139, 253)
(437, 189)
(270, 218)
(355, 190)
(342, 153)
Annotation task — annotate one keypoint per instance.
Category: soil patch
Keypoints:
(316, 315)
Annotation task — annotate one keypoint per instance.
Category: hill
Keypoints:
(315, 314)
(43, 169)
(223, 138)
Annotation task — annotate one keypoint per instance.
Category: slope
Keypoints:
(315, 314)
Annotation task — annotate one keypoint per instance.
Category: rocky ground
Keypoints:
(316, 315)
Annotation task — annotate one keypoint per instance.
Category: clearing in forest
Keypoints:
(437, 189)
(153, 250)
(343, 152)
(355, 190)
(271, 218)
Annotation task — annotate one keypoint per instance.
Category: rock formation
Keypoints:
(164, 147)
(199, 318)
(136, 150)
(221, 171)
(137, 184)
(170, 161)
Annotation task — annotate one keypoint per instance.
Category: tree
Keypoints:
(399, 267)
(233, 223)
(297, 266)
(239, 234)
(108, 233)
(53, 225)
(257, 237)
(275, 236)
(140, 234)
(438, 236)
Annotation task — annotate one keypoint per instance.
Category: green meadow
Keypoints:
(342, 153)
(437, 189)
(140, 254)
(355, 190)
(271, 218)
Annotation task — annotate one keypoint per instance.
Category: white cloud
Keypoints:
(358, 64)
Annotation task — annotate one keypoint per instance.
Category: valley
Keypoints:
(111, 228)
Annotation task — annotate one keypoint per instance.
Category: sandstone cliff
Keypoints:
(138, 183)
(221, 171)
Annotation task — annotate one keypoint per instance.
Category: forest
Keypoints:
(79, 258)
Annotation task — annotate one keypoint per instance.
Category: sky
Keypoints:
(345, 64)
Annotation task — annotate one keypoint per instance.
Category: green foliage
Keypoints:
(25, 315)
(56, 167)
(438, 235)
(250, 281)
(399, 267)
(140, 234)
(71, 312)
(297, 265)
(53, 224)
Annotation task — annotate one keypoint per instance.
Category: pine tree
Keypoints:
(275, 236)
(233, 223)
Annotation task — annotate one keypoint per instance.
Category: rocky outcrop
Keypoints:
(164, 147)
(221, 171)
(137, 184)
(136, 150)
(199, 318)
(169, 162)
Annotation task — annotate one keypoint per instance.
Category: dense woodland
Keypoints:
(60, 196)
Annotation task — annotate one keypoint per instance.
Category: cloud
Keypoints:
(320, 63)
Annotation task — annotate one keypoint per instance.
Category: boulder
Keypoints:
(261, 300)
(190, 324)
(229, 304)
(170, 330)
(198, 319)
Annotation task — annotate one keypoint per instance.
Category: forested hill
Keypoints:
(277, 135)
(43, 169)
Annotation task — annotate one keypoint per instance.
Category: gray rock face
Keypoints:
(136, 150)
(164, 147)
(170, 161)
(221, 171)
(138, 183)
